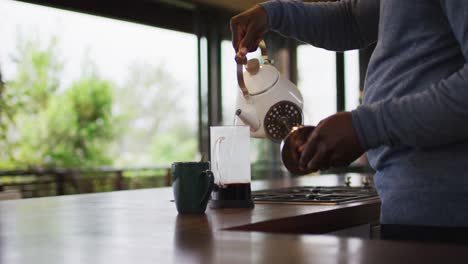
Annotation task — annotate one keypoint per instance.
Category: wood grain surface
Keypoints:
(143, 226)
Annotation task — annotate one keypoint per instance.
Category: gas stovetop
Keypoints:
(317, 195)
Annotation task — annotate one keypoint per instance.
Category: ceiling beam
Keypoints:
(151, 13)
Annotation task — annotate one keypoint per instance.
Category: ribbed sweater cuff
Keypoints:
(369, 125)
(274, 12)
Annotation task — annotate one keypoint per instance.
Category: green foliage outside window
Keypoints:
(79, 125)
(43, 126)
(90, 122)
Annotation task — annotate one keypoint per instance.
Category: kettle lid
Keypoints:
(259, 78)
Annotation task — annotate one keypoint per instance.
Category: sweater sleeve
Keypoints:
(436, 117)
(338, 26)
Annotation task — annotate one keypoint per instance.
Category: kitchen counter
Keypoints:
(142, 226)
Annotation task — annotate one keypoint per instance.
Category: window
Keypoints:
(92, 91)
(317, 82)
(352, 79)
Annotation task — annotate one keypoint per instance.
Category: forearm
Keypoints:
(342, 25)
(435, 117)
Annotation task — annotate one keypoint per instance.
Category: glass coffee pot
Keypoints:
(230, 163)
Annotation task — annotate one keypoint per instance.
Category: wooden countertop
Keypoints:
(143, 226)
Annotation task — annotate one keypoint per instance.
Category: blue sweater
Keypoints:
(414, 119)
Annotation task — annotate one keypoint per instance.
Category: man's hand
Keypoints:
(333, 143)
(247, 29)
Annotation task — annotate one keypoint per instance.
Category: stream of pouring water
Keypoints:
(231, 145)
(236, 117)
(234, 137)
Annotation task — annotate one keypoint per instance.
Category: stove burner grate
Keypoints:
(317, 195)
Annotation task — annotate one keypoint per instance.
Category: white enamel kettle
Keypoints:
(268, 103)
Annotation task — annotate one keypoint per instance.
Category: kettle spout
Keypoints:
(249, 120)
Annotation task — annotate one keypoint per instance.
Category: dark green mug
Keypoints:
(192, 183)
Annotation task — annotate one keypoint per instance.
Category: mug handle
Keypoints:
(217, 149)
(210, 186)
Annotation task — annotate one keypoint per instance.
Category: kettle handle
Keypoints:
(240, 68)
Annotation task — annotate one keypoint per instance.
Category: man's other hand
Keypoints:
(333, 143)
